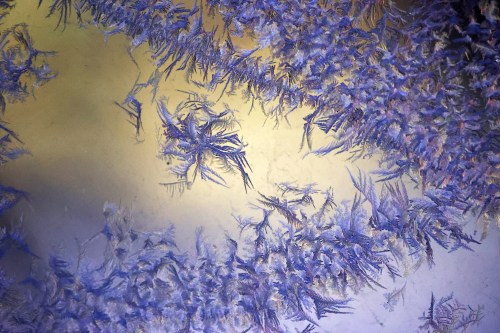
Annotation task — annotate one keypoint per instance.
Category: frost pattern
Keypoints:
(21, 72)
(302, 260)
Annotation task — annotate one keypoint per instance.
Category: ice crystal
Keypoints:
(418, 85)
(448, 316)
(296, 262)
(20, 73)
